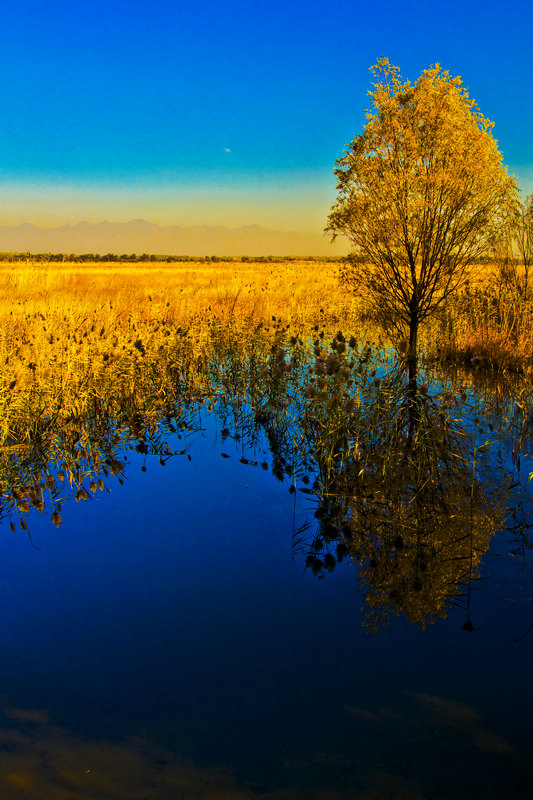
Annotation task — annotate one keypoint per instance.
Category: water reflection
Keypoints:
(42, 761)
(72, 449)
(181, 626)
(415, 506)
(410, 480)
(407, 483)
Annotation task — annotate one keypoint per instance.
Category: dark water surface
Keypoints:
(169, 641)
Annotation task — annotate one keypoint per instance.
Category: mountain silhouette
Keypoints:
(139, 236)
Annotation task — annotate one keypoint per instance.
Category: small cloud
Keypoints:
(227, 150)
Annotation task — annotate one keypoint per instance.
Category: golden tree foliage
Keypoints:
(422, 193)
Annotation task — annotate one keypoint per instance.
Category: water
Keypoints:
(168, 641)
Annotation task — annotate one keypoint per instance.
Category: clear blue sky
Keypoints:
(228, 112)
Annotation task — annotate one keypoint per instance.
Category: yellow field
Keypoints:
(176, 292)
(99, 304)
(56, 317)
(66, 327)
(51, 313)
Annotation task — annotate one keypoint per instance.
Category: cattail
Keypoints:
(332, 364)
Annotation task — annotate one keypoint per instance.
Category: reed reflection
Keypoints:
(407, 485)
(68, 435)
(409, 479)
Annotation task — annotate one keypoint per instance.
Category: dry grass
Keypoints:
(176, 291)
(68, 331)
(64, 325)
(67, 318)
(488, 325)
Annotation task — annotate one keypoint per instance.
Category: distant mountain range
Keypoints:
(139, 236)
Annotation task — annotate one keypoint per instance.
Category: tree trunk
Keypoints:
(412, 353)
(412, 388)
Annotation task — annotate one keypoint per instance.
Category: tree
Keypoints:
(524, 235)
(422, 194)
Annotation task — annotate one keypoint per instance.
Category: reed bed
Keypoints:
(69, 331)
(488, 325)
(55, 316)
(91, 374)
(298, 290)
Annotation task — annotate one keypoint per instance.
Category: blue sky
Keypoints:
(227, 113)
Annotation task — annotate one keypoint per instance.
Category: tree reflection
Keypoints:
(415, 504)
(407, 484)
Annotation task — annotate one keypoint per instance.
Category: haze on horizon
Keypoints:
(227, 114)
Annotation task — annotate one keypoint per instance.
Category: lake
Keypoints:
(283, 590)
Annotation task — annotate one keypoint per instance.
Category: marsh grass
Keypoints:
(62, 326)
(73, 319)
(489, 324)
(297, 290)
(98, 357)
(328, 413)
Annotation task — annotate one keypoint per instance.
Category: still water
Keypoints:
(171, 639)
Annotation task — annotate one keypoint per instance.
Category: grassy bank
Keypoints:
(488, 325)
(175, 291)
(66, 324)
(73, 332)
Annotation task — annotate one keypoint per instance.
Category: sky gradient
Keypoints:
(227, 113)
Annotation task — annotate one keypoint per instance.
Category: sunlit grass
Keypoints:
(176, 291)
(57, 316)
(70, 332)
(488, 324)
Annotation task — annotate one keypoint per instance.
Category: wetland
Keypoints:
(244, 556)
